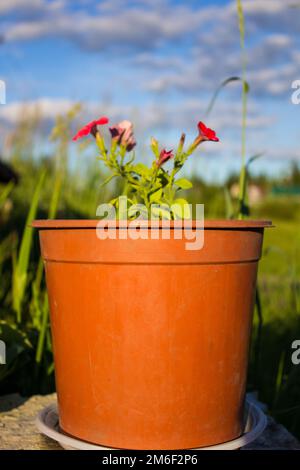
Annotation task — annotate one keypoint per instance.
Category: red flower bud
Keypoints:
(164, 156)
(91, 128)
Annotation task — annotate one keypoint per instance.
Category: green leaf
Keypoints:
(163, 178)
(183, 211)
(141, 170)
(183, 183)
(156, 196)
(137, 210)
(114, 201)
(161, 212)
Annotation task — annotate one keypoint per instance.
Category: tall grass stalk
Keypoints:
(245, 89)
(243, 183)
(21, 261)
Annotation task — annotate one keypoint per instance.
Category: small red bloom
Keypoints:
(91, 128)
(164, 156)
(207, 133)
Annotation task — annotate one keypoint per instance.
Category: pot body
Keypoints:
(151, 340)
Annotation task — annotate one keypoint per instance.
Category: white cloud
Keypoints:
(12, 5)
(211, 33)
(46, 108)
(135, 27)
(272, 64)
(154, 116)
(27, 9)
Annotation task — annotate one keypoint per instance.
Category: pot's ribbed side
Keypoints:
(220, 246)
(151, 340)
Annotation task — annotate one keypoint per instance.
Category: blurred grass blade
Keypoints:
(107, 180)
(228, 204)
(55, 197)
(243, 193)
(6, 192)
(241, 22)
(42, 306)
(279, 379)
(20, 266)
(51, 215)
(253, 158)
(218, 90)
(43, 329)
(6, 246)
(27, 235)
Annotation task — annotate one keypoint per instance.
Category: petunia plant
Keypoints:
(147, 185)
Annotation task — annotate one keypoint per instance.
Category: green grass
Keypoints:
(281, 252)
(276, 378)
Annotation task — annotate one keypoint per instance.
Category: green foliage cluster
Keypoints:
(151, 191)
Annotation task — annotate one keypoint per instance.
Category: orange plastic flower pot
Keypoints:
(151, 340)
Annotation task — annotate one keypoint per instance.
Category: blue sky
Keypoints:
(158, 62)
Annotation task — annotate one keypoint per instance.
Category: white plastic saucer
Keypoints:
(47, 423)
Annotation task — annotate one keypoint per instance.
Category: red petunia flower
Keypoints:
(91, 128)
(164, 156)
(207, 133)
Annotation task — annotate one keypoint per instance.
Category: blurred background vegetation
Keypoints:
(47, 187)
